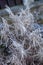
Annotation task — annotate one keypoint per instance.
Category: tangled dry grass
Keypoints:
(21, 40)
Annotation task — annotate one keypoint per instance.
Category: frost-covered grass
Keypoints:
(21, 40)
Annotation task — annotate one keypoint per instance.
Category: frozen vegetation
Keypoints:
(21, 39)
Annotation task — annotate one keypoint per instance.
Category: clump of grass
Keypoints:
(21, 41)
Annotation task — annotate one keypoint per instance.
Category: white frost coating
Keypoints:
(19, 47)
(17, 22)
(6, 26)
(21, 39)
(26, 17)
